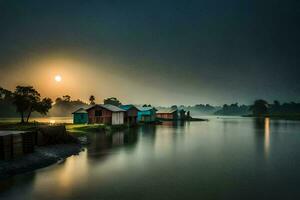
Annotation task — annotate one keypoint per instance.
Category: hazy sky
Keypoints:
(158, 52)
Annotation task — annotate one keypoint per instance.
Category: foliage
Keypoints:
(260, 107)
(200, 109)
(24, 100)
(92, 100)
(112, 101)
(174, 107)
(233, 109)
(64, 106)
(27, 100)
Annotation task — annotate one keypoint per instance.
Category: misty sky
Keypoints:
(157, 52)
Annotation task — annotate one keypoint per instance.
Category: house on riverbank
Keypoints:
(167, 114)
(105, 114)
(146, 114)
(131, 114)
(80, 116)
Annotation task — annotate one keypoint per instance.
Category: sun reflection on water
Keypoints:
(267, 136)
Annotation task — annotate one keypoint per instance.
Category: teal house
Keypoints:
(80, 116)
(146, 114)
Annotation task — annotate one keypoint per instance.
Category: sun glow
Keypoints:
(57, 78)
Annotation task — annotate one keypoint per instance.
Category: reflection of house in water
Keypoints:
(101, 143)
(117, 139)
(174, 123)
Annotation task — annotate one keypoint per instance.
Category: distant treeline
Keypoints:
(207, 109)
(201, 109)
(259, 107)
(262, 107)
(64, 106)
(234, 109)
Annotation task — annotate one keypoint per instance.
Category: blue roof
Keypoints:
(143, 109)
(127, 107)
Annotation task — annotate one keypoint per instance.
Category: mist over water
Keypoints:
(225, 158)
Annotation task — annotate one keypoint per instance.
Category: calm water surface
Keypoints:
(225, 158)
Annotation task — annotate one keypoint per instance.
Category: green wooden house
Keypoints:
(146, 114)
(80, 116)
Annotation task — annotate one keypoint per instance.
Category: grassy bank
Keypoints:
(82, 129)
(19, 127)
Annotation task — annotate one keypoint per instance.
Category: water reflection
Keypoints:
(267, 136)
(100, 144)
(215, 160)
(262, 128)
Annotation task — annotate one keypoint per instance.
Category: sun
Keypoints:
(57, 78)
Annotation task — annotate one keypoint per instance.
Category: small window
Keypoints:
(98, 113)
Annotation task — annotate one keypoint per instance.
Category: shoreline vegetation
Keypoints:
(59, 149)
(47, 155)
(54, 142)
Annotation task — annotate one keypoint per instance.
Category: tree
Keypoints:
(27, 100)
(188, 114)
(5, 94)
(67, 98)
(43, 106)
(112, 101)
(92, 100)
(260, 107)
(174, 107)
(58, 100)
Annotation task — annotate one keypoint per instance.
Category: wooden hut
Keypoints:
(146, 114)
(105, 114)
(130, 114)
(14, 144)
(167, 114)
(80, 116)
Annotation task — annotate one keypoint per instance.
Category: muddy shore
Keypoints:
(42, 157)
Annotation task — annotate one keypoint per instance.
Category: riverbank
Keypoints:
(60, 146)
(42, 157)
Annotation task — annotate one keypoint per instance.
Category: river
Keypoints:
(224, 158)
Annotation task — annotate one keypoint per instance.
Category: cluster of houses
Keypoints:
(124, 114)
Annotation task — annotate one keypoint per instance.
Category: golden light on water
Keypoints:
(267, 136)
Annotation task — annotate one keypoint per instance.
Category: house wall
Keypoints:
(117, 118)
(80, 118)
(132, 112)
(131, 116)
(147, 116)
(171, 116)
(106, 117)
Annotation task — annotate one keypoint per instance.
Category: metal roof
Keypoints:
(141, 108)
(112, 108)
(127, 107)
(109, 107)
(166, 110)
(80, 110)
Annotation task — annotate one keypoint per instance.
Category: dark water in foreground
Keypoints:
(231, 158)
